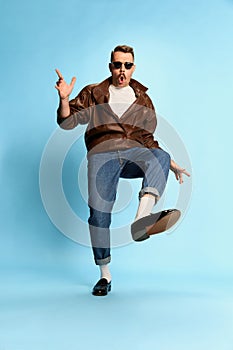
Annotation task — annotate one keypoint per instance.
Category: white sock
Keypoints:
(145, 206)
(105, 272)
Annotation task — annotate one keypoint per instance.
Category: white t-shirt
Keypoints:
(120, 99)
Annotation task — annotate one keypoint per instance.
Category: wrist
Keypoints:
(64, 99)
(172, 165)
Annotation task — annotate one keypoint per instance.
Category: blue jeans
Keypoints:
(104, 171)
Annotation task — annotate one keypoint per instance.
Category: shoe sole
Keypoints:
(154, 224)
(163, 224)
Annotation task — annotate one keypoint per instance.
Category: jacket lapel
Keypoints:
(101, 91)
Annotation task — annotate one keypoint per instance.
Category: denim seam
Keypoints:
(150, 190)
(103, 261)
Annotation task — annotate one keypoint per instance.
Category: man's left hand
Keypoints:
(178, 171)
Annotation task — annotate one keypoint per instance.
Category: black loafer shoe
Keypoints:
(102, 287)
(154, 223)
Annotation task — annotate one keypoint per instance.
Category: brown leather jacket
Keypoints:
(105, 130)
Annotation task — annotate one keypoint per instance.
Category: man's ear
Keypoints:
(110, 67)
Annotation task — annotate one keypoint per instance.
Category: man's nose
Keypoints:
(122, 69)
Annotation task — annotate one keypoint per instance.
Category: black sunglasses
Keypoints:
(118, 65)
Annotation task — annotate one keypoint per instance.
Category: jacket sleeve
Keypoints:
(150, 123)
(79, 110)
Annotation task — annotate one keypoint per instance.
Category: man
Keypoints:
(120, 120)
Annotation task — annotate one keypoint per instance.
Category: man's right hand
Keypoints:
(64, 89)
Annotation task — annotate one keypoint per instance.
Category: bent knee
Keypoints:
(162, 155)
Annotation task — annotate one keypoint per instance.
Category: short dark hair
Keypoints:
(122, 48)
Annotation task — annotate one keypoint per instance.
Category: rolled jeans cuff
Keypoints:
(150, 190)
(103, 261)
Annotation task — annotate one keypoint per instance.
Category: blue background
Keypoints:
(173, 291)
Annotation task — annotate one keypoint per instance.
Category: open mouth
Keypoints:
(121, 79)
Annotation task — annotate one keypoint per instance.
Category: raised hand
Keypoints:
(64, 89)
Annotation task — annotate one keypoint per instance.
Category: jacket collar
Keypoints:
(101, 90)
